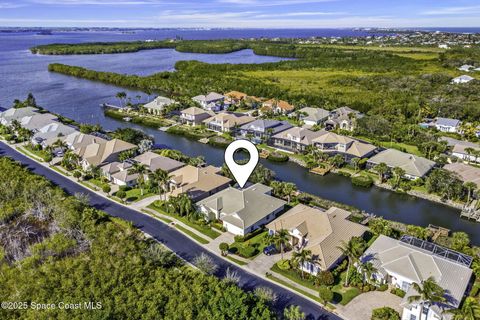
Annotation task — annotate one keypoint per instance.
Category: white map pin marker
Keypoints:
(241, 172)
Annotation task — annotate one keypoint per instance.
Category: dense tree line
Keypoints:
(56, 248)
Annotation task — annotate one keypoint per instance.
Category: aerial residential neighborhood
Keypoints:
(223, 159)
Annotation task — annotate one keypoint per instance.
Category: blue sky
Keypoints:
(241, 13)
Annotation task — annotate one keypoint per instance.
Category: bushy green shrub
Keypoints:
(398, 292)
(106, 188)
(277, 157)
(362, 181)
(383, 287)
(385, 313)
(325, 294)
(247, 251)
(121, 194)
(284, 264)
(239, 238)
(325, 278)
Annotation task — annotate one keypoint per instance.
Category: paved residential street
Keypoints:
(176, 241)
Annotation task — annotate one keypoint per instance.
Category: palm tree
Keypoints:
(368, 270)
(429, 292)
(355, 162)
(60, 144)
(281, 238)
(70, 160)
(289, 189)
(470, 186)
(469, 151)
(121, 96)
(381, 169)
(140, 169)
(94, 171)
(398, 173)
(352, 251)
(302, 257)
(470, 310)
(161, 177)
(336, 161)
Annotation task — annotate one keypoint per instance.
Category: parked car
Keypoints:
(271, 249)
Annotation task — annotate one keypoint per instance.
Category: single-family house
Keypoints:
(157, 105)
(467, 151)
(77, 140)
(321, 232)
(313, 116)
(99, 153)
(400, 263)
(118, 173)
(414, 166)
(194, 116)
(242, 211)
(465, 172)
(37, 121)
(235, 97)
(197, 183)
(462, 79)
(295, 139)
(447, 125)
(343, 118)
(227, 122)
(51, 133)
(212, 101)
(9, 115)
(155, 161)
(349, 148)
(277, 106)
(466, 67)
(262, 130)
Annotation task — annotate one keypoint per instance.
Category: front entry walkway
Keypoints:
(360, 308)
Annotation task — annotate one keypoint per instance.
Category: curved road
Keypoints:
(173, 239)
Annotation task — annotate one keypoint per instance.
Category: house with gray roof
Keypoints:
(295, 139)
(467, 151)
(155, 161)
(313, 116)
(157, 105)
(49, 134)
(194, 116)
(6, 117)
(414, 166)
(242, 210)
(465, 172)
(447, 125)
(462, 79)
(212, 101)
(36, 121)
(349, 148)
(262, 130)
(343, 118)
(400, 263)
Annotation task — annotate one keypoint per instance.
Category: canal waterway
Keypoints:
(22, 72)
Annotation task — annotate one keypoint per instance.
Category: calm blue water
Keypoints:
(22, 72)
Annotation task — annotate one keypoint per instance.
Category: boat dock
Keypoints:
(111, 106)
(471, 211)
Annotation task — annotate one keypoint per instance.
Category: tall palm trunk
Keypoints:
(348, 272)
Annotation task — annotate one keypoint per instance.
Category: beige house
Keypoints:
(295, 139)
(465, 172)
(117, 173)
(277, 106)
(155, 161)
(194, 116)
(343, 118)
(333, 143)
(319, 231)
(227, 122)
(76, 140)
(242, 211)
(235, 97)
(197, 183)
(102, 152)
(157, 105)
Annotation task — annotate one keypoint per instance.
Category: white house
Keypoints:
(466, 67)
(242, 211)
(447, 125)
(212, 101)
(466, 151)
(400, 263)
(158, 104)
(462, 79)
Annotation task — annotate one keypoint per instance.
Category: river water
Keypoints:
(22, 72)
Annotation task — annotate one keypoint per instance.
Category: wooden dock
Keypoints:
(438, 231)
(320, 171)
(471, 211)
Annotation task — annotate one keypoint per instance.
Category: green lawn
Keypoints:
(239, 262)
(191, 234)
(30, 154)
(256, 242)
(205, 229)
(59, 170)
(135, 194)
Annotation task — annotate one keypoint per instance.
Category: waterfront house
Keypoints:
(197, 183)
(295, 139)
(349, 148)
(465, 172)
(462, 79)
(212, 101)
(157, 105)
(313, 116)
(235, 97)
(400, 263)
(227, 122)
(77, 140)
(242, 211)
(343, 118)
(261, 130)
(414, 166)
(37, 121)
(9, 115)
(447, 125)
(51, 133)
(466, 151)
(277, 106)
(100, 152)
(321, 232)
(155, 161)
(194, 116)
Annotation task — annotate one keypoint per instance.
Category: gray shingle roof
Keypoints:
(447, 122)
(262, 125)
(412, 164)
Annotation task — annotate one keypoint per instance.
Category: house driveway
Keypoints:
(360, 308)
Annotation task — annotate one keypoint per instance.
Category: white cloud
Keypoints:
(102, 2)
(453, 11)
(10, 5)
(266, 3)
